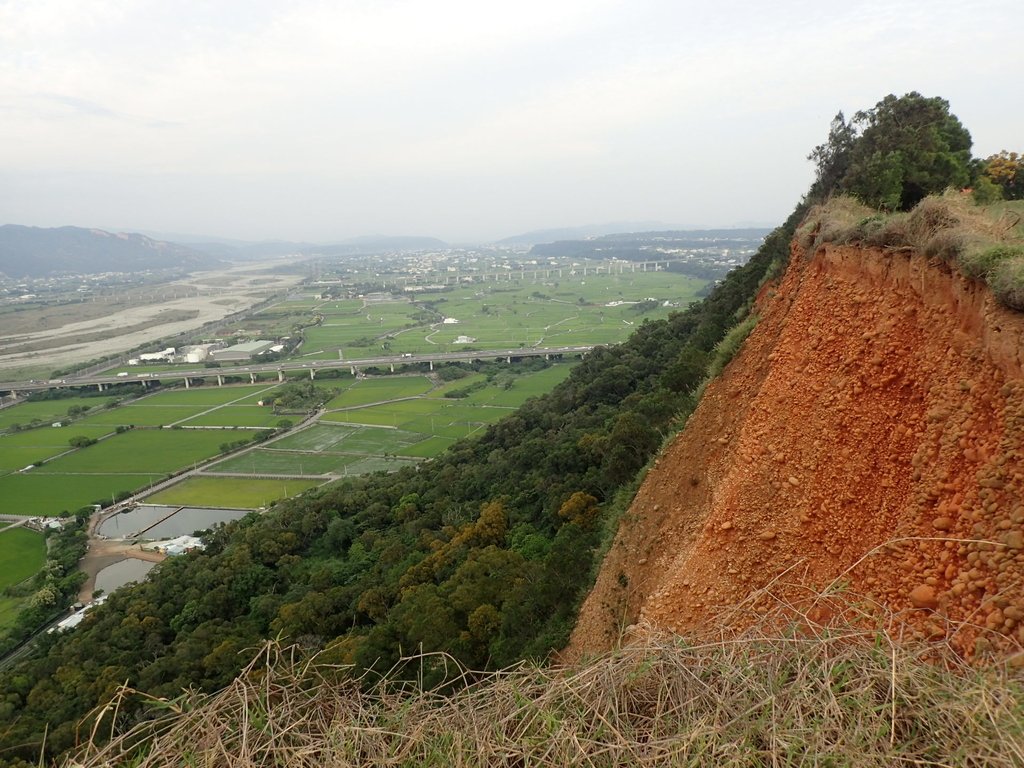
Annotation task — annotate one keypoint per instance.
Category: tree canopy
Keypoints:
(894, 155)
(1006, 171)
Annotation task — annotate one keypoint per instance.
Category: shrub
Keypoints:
(1006, 280)
(979, 263)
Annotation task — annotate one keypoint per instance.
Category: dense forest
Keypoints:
(484, 552)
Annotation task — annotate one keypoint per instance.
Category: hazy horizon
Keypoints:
(463, 121)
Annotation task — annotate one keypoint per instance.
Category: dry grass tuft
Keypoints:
(752, 698)
(984, 242)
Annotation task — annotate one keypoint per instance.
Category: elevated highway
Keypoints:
(282, 367)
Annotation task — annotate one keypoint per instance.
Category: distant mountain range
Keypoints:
(37, 252)
(240, 250)
(635, 246)
(577, 233)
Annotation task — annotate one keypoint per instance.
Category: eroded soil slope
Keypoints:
(868, 436)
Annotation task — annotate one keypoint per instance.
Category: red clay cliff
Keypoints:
(867, 438)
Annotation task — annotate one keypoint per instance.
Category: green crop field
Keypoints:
(34, 493)
(320, 437)
(22, 554)
(149, 451)
(428, 448)
(233, 492)
(13, 458)
(465, 381)
(388, 415)
(566, 309)
(47, 411)
(376, 390)
(237, 416)
(374, 440)
(205, 396)
(52, 436)
(145, 415)
(263, 461)
(19, 449)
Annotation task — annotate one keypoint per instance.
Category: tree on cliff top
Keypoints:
(894, 155)
(1006, 171)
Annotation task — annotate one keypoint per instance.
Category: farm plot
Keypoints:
(376, 390)
(457, 421)
(22, 554)
(386, 415)
(231, 492)
(47, 411)
(428, 448)
(320, 437)
(374, 440)
(263, 461)
(145, 415)
(31, 446)
(236, 416)
(147, 451)
(34, 493)
(205, 396)
(520, 389)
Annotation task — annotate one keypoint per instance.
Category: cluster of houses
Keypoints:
(178, 546)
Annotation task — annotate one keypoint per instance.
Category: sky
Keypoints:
(468, 120)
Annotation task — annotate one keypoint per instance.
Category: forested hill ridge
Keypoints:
(38, 252)
(483, 553)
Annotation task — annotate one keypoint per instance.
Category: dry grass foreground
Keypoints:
(807, 696)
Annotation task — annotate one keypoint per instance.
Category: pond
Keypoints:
(124, 572)
(189, 519)
(162, 522)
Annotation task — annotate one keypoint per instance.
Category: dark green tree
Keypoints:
(909, 147)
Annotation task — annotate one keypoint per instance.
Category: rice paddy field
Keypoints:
(32, 446)
(369, 424)
(141, 451)
(22, 554)
(47, 411)
(32, 493)
(231, 492)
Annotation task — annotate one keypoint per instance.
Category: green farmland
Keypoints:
(231, 492)
(142, 451)
(22, 554)
(208, 395)
(47, 411)
(566, 308)
(371, 423)
(236, 416)
(31, 446)
(34, 493)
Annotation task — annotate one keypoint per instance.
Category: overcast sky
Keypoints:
(463, 119)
